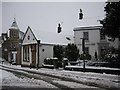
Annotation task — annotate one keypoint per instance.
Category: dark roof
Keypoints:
(21, 32)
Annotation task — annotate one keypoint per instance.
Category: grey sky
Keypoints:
(0, 17)
(42, 16)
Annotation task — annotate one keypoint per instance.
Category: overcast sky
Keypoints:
(45, 16)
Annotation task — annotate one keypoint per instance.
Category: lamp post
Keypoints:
(83, 49)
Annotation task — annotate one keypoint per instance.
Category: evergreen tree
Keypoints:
(111, 23)
(72, 52)
(58, 51)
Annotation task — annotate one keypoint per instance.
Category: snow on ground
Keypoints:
(73, 84)
(105, 80)
(9, 79)
(93, 67)
(0, 79)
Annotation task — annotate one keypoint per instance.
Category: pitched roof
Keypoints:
(52, 37)
(14, 25)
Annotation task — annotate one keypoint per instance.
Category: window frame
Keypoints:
(26, 54)
(86, 36)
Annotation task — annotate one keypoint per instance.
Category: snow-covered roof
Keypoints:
(14, 25)
(52, 37)
(87, 28)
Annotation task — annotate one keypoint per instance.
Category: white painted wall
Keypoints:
(92, 43)
(94, 38)
(48, 49)
(48, 53)
(32, 39)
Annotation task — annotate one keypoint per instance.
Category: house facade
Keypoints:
(33, 51)
(4, 45)
(39, 45)
(95, 41)
(11, 46)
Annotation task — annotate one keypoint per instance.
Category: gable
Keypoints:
(29, 37)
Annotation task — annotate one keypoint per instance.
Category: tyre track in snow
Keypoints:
(36, 76)
(48, 78)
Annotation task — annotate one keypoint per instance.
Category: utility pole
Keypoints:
(38, 43)
(83, 49)
(83, 41)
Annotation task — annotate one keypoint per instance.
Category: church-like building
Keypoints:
(37, 46)
(11, 46)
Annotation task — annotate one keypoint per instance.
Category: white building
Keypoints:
(36, 47)
(95, 41)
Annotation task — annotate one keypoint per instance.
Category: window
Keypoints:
(85, 35)
(4, 38)
(43, 50)
(28, 37)
(13, 45)
(14, 34)
(33, 47)
(5, 49)
(26, 53)
(87, 50)
(102, 36)
(11, 33)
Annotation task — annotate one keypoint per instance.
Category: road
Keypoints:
(23, 79)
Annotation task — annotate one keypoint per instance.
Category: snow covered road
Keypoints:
(71, 79)
(10, 80)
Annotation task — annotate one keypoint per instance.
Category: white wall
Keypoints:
(47, 53)
(32, 39)
(94, 38)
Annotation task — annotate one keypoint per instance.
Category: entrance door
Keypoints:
(33, 52)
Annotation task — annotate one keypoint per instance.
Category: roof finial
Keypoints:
(14, 19)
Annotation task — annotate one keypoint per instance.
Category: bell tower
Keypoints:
(14, 42)
(14, 31)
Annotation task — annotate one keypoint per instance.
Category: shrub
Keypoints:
(86, 57)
